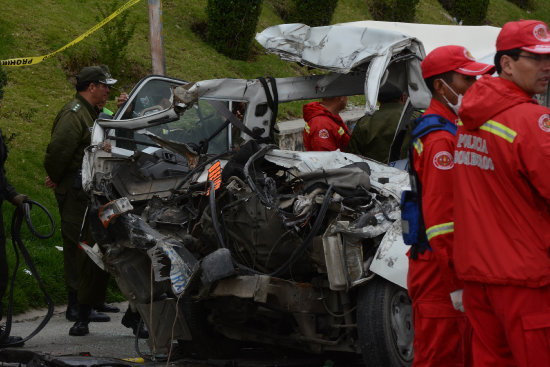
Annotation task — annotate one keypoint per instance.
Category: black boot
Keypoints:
(133, 320)
(98, 316)
(9, 341)
(80, 327)
(71, 313)
(105, 307)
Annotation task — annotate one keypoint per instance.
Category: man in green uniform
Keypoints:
(71, 134)
(373, 135)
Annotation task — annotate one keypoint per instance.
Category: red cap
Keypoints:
(529, 35)
(453, 58)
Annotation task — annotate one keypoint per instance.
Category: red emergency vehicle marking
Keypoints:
(443, 160)
(541, 33)
(323, 134)
(215, 174)
(544, 123)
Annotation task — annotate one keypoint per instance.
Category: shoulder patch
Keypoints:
(76, 107)
(443, 160)
(324, 134)
(544, 123)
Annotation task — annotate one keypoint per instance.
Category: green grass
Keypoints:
(36, 93)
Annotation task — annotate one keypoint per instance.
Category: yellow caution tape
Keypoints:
(36, 59)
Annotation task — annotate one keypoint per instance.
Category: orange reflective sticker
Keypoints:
(215, 174)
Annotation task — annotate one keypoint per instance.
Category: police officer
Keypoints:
(7, 192)
(373, 135)
(439, 326)
(71, 134)
(502, 202)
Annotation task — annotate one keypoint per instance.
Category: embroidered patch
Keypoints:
(468, 55)
(323, 134)
(544, 123)
(443, 160)
(541, 33)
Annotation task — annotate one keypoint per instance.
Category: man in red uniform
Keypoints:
(325, 129)
(502, 203)
(439, 328)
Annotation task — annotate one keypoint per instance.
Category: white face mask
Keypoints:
(454, 107)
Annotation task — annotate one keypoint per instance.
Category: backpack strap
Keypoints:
(411, 201)
(432, 122)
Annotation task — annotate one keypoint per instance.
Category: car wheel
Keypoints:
(385, 324)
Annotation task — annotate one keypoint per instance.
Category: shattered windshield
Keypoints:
(200, 127)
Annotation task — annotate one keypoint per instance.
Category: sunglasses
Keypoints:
(537, 57)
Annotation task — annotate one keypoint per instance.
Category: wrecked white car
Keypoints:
(221, 240)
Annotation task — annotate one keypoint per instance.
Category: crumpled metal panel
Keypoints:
(390, 260)
(169, 258)
(283, 294)
(387, 180)
(342, 47)
(181, 265)
(339, 47)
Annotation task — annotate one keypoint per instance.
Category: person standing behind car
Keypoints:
(440, 329)
(373, 135)
(71, 134)
(502, 202)
(325, 129)
(7, 192)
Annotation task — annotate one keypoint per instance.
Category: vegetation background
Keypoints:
(35, 94)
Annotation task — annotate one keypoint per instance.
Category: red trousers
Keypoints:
(511, 324)
(441, 333)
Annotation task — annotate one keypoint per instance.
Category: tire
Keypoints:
(385, 324)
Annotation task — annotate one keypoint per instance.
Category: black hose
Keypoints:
(194, 170)
(249, 179)
(214, 215)
(314, 229)
(16, 222)
(27, 210)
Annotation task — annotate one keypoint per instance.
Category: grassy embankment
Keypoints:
(35, 93)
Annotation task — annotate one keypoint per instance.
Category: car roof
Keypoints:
(479, 40)
(338, 48)
(342, 47)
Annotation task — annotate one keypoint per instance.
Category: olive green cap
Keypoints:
(94, 74)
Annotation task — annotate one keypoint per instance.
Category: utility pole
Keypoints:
(156, 37)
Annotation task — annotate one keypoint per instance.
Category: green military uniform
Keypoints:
(71, 134)
(373, 135)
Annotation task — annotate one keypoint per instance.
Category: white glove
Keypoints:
(456, 299)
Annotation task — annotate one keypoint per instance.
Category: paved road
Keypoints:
(113, 340)
(106, 339)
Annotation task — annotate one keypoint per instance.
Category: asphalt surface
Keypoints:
(111, 340)
(106, 339)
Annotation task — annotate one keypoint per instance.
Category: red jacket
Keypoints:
(324, 130)
(502, 187)
(433, 162)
